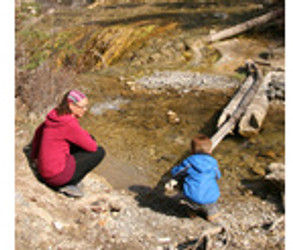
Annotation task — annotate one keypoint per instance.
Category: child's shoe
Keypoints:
(213, 217)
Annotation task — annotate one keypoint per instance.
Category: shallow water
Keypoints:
(142, 145)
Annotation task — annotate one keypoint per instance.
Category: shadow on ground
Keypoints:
(266, 190)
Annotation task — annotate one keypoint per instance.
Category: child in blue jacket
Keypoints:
(200, 173)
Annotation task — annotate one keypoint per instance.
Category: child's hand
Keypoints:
(170, 185)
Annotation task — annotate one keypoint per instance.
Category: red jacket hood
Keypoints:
(53, 119)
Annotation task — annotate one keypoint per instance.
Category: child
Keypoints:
(199, 173)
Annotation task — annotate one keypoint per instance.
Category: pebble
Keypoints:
(173, 117)
(58, 225)
(164, 239)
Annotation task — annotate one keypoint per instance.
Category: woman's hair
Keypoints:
(63, 107)
(201, 144)
(70, 96)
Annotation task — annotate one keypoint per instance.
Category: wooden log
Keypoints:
(241, 107)
(250, 123)
(234, 102)
(239, 28)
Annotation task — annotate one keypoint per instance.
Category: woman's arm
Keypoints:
(80, 137)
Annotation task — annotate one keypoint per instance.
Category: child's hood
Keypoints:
(202, 162)
(54, 120)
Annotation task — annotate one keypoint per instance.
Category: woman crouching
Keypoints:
(63, 151)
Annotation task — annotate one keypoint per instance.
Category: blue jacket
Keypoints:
(200, 183)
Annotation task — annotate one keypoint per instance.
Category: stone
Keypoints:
(173, 117)
(164, 239)
(58, 225)
(268, 154)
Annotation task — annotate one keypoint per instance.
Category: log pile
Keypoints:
(247, 109)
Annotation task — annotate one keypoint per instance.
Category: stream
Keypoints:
(143, 143)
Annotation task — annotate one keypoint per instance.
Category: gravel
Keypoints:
(184, 81)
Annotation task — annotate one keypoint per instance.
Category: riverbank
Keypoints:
(111, 219)
(148, 94)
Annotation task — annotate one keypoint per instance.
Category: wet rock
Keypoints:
(101, 108)
(266, 55)
(173, 117)
(276, 86)
(221, 15)
(179, 140)
(276, 173)
(155, 57)
(267, 154)
(180, 46)
(253, 140)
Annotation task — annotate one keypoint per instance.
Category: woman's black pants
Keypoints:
(85, 162)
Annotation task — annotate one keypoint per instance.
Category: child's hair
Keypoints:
(201, 144)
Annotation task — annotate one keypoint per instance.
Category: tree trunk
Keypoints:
(239, 28)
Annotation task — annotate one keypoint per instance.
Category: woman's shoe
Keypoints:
(71, 191)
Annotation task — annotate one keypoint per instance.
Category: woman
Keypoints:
(63, 151)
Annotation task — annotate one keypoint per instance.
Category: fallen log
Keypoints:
(250, 123)
(199, 44)
(234, 102)
(239, 28)
(239, 110)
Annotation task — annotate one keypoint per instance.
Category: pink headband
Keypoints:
(75, 96)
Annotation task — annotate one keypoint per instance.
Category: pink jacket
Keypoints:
(51, 143)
